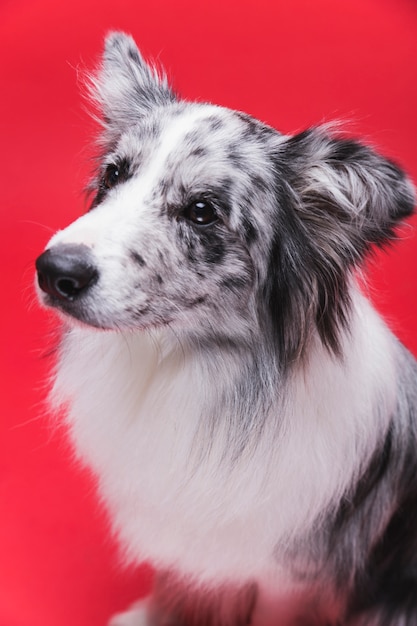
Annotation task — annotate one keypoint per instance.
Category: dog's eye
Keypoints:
(201, 213)
(114, 174)
(111, 176)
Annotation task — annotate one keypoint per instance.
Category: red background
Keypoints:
(291, 64)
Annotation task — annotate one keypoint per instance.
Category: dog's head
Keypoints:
(210, 221)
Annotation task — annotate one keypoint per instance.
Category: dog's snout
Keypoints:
(66, 271)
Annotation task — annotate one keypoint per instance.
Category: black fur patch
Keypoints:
(374, 474)
(388, 587)
(199, 152)
(214, 248)
(138, 258)
(235, 283)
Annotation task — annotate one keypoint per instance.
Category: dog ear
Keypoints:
(126, 88)
(337, 198)
(349, 197)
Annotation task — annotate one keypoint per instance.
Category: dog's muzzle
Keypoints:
(66, 271)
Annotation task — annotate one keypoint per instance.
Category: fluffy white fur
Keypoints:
(141, 432)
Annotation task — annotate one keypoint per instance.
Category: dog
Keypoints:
(251, 420)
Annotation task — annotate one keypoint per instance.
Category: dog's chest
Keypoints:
(150, 424)
(137, 420)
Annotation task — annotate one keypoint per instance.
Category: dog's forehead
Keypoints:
(198, 131)
(195, 147)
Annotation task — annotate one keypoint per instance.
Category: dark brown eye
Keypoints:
(114, 174)
(201, 213)
(111, 176)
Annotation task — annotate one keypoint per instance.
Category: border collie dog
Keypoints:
(251, 420)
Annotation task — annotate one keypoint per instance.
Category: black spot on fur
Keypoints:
(215, 123)
(223, 195)
(201, 243)
(235, 157)
(215, 253)
(134, 55)
(250, 232)
(214, 250)
(139, 313)
(199, 152)
(258, 183)
(234, 283)
(162, 190)
(191, 254)
(138, 258)
(193, 303)
(193, 138)
(250, 122)
(253, 128)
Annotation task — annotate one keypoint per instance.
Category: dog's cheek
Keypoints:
(161, 278)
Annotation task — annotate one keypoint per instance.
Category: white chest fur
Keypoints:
(138, 413)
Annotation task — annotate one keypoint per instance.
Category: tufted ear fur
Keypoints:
(338, 198)
(349, 197)
(126, 87)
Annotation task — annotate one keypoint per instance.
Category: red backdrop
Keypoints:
(291, 64)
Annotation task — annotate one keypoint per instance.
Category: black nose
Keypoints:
(65, 271)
